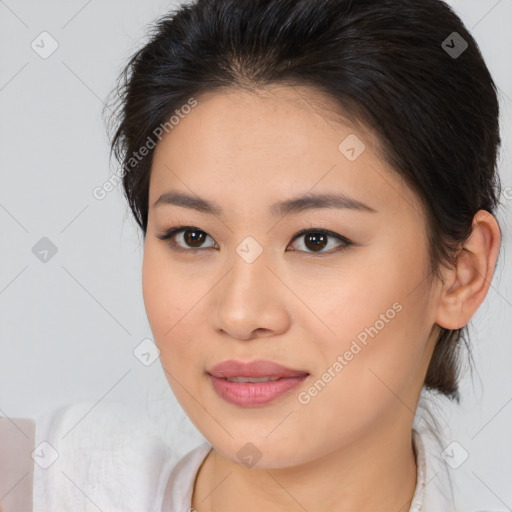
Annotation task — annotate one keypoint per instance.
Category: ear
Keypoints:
(466, 286)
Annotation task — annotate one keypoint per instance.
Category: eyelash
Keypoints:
(179, 229)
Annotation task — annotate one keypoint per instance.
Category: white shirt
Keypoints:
(104, 457)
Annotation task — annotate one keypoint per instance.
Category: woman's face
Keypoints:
(353, 313)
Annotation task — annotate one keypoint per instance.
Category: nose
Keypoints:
(251, 300)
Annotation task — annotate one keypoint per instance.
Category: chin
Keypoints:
(260, 451)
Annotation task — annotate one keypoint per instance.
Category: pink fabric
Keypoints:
(17, 437)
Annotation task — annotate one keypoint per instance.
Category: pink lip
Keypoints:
(258, 368)
(251, 394)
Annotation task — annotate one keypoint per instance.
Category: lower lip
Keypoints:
(251, 394)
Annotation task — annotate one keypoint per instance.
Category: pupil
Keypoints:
(318, 241)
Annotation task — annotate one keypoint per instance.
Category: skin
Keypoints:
(350, 447)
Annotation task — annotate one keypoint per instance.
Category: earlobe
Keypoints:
(465, 286)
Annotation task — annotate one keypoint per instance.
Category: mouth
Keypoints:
(255, 383)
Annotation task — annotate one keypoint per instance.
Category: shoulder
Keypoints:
(434, 491)
(180, 484)
(107, 456)
(449, 483)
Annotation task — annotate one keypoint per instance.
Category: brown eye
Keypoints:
(315, 240)
(191, 238)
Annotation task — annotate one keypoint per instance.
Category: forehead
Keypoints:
(277, 116)
(274, 142)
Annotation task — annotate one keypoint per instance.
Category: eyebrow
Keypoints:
(288, 206)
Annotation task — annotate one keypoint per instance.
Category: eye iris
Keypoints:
(197, 238)
(318, 240)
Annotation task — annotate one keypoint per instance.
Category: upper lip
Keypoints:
(259, 368)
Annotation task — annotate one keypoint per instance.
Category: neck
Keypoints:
(377, 471)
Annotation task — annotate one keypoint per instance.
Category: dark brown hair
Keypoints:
(407, 69)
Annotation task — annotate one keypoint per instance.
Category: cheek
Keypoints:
(154, 276)
(168, 321)
(346, 300)
(162, 299)
(166, 291)
(380, 320)
(171, 301)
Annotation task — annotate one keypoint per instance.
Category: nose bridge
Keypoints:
(250, 250)
(249, 266)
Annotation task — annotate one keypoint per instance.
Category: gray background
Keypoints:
(69, 326)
